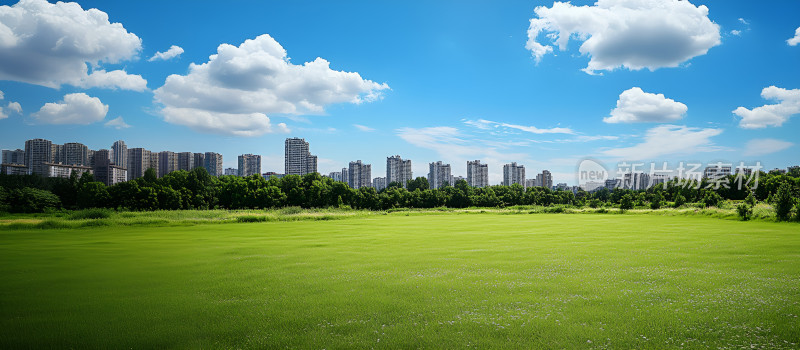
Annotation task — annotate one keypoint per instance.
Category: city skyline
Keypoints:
(467, 82)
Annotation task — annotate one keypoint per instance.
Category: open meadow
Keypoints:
(391, 281)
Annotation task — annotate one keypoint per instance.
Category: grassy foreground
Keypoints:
(396, 281)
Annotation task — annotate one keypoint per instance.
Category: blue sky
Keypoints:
(637, 80)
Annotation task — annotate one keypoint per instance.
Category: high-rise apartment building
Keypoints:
(249, 164)
(379, 183)
(106, 171)
(231, 172)
(545, 179)
(335, 175)
(37, 153)
(186, 161)
(297, 159)
(119, 154)
(439, 174)
(213, 163)
(359, 174)
(514, 174)
(398, 170)
(14, 157)
(57, 154)
(75, 154)
(167, 162)
(199, 160)
(138, 160)
(477, 173)
(345, 176)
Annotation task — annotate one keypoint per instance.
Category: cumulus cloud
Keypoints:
(234, 91)
(664, 140)
(363, 128)
(76, 108)
(760, 147)
(796, 39)
(11, 107)
(771, 115)
(54, 44)
(117, 123)
(174, 51)
(637, 106)
(633, 34)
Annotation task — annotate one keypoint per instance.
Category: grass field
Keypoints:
(397, 281)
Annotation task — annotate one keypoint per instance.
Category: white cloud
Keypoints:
(363, 128)
(744, 21)
(12, 106)
(76, 108)
(736, 32)
(484, 124)
(637, 106)
(796, 39)
(113, 80)
(53, 44)
(666, 140)
(174, 51)
(633, 34)
(234, 91)
(760, 147)
(771, 115)
(117, 123)
(15, 106)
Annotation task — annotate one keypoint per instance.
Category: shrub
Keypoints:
(656, 202)
(711, 199)
(626, 202)
(291, 210)
(750, 200)
(594, 203)
(96, 213)
(31, 200)
(679, 200)
(797, 211)
(783, 202)
(745, 211)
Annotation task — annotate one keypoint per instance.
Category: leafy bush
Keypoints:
(783, 202)
(594, 203)
(31, 200)
(745, 211)
(679, 200)
(750, 200)
(656, 202)
(95, 213)
(711, 199)
(626, 202)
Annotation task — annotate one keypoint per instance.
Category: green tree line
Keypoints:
(196, 189)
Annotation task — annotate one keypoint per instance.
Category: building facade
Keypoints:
(439, 174)
(14, 157)
(398, 170)
(167, 163)
(545, 179)
(119, 154)
(249, 164)
(66, 170)
(37, 153)
(477, 173)
(231, 172)
(514, 174)
(297, 158)
(138, 162)
(106, 171)
(359, 174)
(213, 163)
(379, 183)
(186, 161)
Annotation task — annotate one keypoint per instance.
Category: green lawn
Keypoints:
(396, 281)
